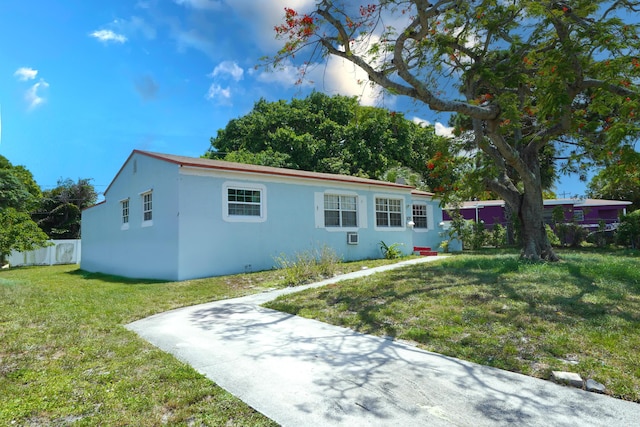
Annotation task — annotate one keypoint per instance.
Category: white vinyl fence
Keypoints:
(60, 252)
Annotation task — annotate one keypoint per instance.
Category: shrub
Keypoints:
(498, 236)
(551, 235)
(571, 234)
(629, 230)
(308, 265)
(390, 252)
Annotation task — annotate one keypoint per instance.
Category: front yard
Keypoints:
(65, 356)
(581, 314)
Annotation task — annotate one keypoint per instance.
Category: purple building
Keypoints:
(586, 212)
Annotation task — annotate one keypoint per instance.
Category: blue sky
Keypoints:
(85, 82)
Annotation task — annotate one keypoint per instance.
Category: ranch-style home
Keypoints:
(176, 218)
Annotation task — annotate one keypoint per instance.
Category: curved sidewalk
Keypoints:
(302, 372)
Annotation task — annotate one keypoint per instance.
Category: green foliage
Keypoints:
(571, 234)
(478, 235)
(327, 134)
(543, 88)
(18, 233)
(601, 237)
(391, 251)
(19, 193)
(60, 210)
(629, 230)
(551, 235)
(498, 236)
(309, 265)
(18, 189)
(619, 179)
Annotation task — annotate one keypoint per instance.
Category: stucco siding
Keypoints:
(146, 249)
(431, 236)
(210, 245)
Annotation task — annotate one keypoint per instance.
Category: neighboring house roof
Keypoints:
(550, 202)
(257, 169)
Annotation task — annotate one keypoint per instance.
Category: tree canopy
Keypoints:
(619, 179)
(324, 133)
(534, 82)
(19, 193)
(60, 210)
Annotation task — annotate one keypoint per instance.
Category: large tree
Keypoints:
(19, 194)
(324, 133)
(534, 78)
(60, 209)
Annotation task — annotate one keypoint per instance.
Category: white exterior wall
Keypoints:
(429, 237)
(294, 222)
(149, 251)
(192, 236)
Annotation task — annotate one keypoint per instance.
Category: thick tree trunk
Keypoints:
(535, 244)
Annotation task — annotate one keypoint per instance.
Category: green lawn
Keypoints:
(581, 314)
(65, 356)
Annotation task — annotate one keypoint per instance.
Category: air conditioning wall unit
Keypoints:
(352, 238)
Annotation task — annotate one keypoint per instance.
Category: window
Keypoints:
(243, 202)
(147, 206)
(578, 215)
(388, 212)
(125, 211)
(340, 211)
(420, 216)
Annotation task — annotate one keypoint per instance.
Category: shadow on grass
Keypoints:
(567, 293)
(114, 279)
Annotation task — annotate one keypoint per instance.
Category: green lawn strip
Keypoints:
(65, 356)
(500, 311)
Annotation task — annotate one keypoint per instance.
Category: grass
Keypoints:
(581, 314)
(65, 357)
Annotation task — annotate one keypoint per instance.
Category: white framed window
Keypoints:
(147, 208)
(420, 216)
(340, 210)
(578, 215)
(244, 202)
(388, 212)
(124, 206)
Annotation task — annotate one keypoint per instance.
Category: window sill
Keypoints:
(147, 223)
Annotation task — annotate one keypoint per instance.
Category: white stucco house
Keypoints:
(176, 218)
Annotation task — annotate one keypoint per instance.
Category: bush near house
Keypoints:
(629, 230)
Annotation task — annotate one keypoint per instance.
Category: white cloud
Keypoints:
(287, 75)
(228, 68)
(265, 15)
(25, 73)
(133, 26)
(219, 94)
(443, 130)
(200, 4)
(106, 36)
(345, 78)
(193, 39)
(439, 128)
(33, 95)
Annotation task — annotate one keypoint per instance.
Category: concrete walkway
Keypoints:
(302, 372)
